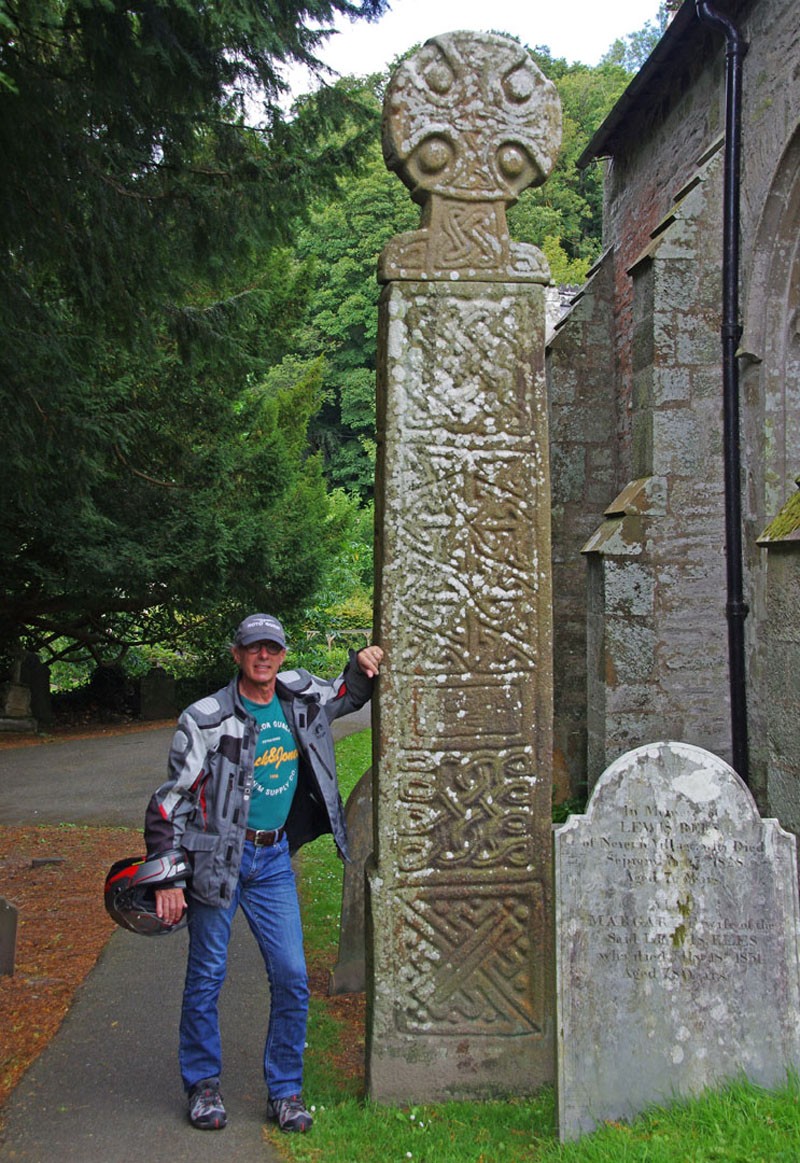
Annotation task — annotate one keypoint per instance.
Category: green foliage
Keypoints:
(340, 245)
(632, 51)
(69, 676)
(340, 618)
(564, 271)
(126, 147)
(215, 510)
(156, 470)
(564, 217)
(7, 29)
(576, 805)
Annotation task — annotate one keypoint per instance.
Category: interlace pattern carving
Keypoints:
(467, 960)
(469, 122)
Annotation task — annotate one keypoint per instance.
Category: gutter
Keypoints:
(731, 332)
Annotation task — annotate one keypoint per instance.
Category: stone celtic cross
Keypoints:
(469, 122)
(459, 891)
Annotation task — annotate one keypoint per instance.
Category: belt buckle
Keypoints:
(265, 838)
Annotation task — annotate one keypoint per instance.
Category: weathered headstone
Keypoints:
(15, 707)
(15, 701)
(157, 694)
(349, 974)
(35, 674)
(8, 936)
(459, 893)
(677, 929)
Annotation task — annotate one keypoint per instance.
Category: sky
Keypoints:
(579, 30)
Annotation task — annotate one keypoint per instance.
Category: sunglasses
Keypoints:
(256, 647)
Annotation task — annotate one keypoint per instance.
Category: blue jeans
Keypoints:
(267, 892)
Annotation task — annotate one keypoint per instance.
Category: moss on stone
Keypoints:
(786, 526)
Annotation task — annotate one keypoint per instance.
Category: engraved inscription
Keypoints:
(710, 953)
(670, 859)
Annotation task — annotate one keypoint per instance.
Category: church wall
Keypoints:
(663, 237)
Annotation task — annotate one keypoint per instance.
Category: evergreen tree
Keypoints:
(153, 469)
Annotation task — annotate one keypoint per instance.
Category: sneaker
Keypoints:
(290, 1113)
(205, 1105)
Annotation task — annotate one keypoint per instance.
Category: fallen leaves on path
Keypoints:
(54, 876)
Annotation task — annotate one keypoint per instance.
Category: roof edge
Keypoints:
(684, 28)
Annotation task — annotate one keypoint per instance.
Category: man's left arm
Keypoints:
(355, 685)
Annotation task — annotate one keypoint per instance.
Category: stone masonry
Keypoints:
(654, 607)
(780, 542)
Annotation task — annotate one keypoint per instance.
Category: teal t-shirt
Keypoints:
(275, 770)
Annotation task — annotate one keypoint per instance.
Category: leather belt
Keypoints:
(262, 838)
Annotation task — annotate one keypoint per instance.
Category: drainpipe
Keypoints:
(731, 331)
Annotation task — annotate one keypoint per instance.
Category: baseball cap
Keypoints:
(259, 628)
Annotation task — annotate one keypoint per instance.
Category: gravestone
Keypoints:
(35, 674)
(677, 928)
(157, 694)
(8, 937)
(349, 974)
(459, 892)
(15, 707)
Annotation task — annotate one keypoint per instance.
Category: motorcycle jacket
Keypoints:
(202, 808)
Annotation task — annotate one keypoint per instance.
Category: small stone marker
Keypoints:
(15, 707)
(8, 937)
(157, 692)
(677, 926)
(349, 974)
(36, 676)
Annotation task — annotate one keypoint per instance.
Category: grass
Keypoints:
(740, 1124)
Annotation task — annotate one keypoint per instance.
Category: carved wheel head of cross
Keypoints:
(469, 122)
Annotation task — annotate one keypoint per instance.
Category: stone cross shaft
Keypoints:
(459, 890)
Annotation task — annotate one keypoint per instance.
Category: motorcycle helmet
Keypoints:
(130, 895)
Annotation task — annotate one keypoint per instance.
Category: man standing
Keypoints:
(252, 777)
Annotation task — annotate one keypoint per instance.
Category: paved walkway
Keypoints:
(106, 779)
(106, 1089)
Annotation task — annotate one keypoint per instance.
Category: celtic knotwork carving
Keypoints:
(491, 396)
(467, 963)
(469, 122)
(477, 814)
(477, 611)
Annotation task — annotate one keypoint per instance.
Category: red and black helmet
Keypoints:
(130, 892)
